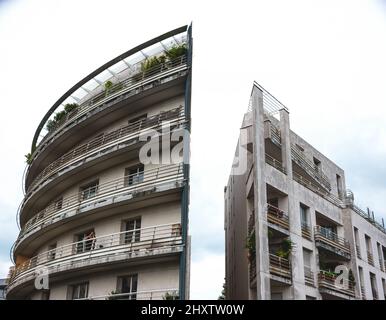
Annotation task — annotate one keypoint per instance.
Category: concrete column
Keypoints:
(298, 286)
(260, 198)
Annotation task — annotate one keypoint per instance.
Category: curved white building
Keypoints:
(97, 221)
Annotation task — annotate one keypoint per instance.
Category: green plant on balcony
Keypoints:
(171, 296)
(285, 249)
(28, 156)
(176, 51)
(351, 278)
(60, 116)
(251, 245)
(69, 107)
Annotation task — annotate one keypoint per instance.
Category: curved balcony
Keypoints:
(160, 294)
(124, 246)
(134, 85)
(103, 196)
(102, 145)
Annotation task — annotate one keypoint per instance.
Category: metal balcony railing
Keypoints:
(173, 117)
(125, 185)
(370, 258)
(325, 238)
(277, 217)
(309, 277)
(279, 266)
(317, 189)
(308, 166)
(143, 241)
(306, 230)
(274, 163)
(349, 201)
(128, 86)
(162, 294)
(275, 135)
(328, 280)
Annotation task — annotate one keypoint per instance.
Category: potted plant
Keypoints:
(171, 296)
(285, 249)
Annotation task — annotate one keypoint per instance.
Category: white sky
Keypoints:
(325, 60)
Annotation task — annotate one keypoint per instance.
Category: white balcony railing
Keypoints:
(173, 117)
(76, 204)
(161, 294)
(104, 249)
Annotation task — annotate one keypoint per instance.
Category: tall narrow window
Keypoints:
(89, 190)
(362, 283)
(134, 175)
(133, 230)
(357, 242)
(78, 291)
(128, 285)
(304, 218)
(373, 283)
(339, 186)
(370, 258)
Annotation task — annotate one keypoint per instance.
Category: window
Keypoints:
(357, 243)
(133, 230)
(339, 186)
(90, 190)
(51, 251)
(304, 215)
(85, 241)
(134, 175)
(128, 284)
(373, 283)
(78, 291)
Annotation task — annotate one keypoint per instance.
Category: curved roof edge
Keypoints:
(97, 71)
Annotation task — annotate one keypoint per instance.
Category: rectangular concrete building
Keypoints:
(292, 229)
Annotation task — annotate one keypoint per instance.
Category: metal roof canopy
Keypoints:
(107, 71)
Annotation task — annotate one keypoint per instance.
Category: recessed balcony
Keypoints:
(332, 287)
(275, 163)
(277, 218)
(136, 244)
(280, 268)
(136, 83)
(113, 145)
(127, 188)
(329, 241)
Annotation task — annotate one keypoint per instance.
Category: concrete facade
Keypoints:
(290, 223)
(98, 221)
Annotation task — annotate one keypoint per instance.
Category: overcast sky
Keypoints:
(325, 60)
